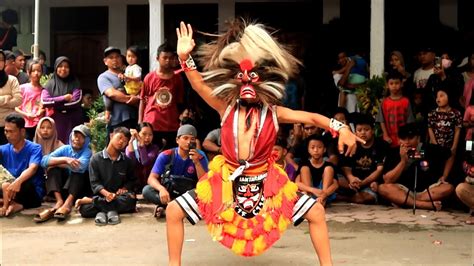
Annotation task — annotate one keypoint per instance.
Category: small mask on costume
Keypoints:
(248, 196)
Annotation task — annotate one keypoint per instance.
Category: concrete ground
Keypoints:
(360, 235)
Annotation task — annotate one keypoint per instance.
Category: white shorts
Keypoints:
(188, 202)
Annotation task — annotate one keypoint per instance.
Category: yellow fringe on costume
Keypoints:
(252, 236)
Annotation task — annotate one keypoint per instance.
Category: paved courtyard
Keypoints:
(360, 235)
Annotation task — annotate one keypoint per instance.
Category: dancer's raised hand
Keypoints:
(185, 40)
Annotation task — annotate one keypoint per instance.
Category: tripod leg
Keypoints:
(414, 190)
(414, 201)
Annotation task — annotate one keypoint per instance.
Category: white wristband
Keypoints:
(335, 126)
(187, 65)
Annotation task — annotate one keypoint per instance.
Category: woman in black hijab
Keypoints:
(62, 97)
(10, 96)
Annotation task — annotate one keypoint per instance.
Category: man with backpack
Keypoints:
(176, 170)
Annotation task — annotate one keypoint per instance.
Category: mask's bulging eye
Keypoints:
(240, 75)
(242, 189)
(253, 75)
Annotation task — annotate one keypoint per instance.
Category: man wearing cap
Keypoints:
(67, 169)
(124, 108)
(185, 161)
(21, 158)
(399, 172)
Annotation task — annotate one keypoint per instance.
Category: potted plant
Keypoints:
(97, 125)
(370, 94)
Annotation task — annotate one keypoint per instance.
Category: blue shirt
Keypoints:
(121, 112)
(17, 162)
(180, 167)
(67, 151)
(84, 155)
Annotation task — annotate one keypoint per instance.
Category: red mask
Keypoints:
(247, 76)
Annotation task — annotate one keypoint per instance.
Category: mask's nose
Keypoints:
(245, 77)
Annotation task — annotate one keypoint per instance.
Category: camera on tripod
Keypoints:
(414, 153)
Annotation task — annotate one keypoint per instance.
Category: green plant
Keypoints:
(45, 78)
(370, 94)
(98, 125)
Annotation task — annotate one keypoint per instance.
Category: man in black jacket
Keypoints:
(112, 180)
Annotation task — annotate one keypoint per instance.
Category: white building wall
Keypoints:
(331, 10)
(118, 24)
(448, 13)
(377, 37)
(156, 31)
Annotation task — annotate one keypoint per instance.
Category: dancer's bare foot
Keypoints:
(13, 208)
(2, 212)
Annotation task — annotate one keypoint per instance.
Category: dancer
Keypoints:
(246, 199)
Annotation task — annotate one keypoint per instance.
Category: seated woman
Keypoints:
(143, 152)
(67, 170)
(316, 176)
(46, 135)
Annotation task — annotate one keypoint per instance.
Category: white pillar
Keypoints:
(118, 26)
(448, 13)
(377, 37)
(331, 10)
(226, 13)
(156, 30)
(36, 30)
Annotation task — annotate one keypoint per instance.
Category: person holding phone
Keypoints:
(445, 77)
(177, 165)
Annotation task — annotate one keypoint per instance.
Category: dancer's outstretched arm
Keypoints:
(185, 46)
(346, 137)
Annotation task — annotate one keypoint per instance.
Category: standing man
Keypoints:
(21, 158)
(162, 98)
(124, 111)
(11, 66)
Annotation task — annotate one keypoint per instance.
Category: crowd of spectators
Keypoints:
(423, 127)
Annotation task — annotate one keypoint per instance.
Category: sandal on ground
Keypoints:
(44, 215)
(100, 219)
(113, 218)
(159, 211)
(62, 213)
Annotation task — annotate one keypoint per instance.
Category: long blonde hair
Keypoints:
(220, 61)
